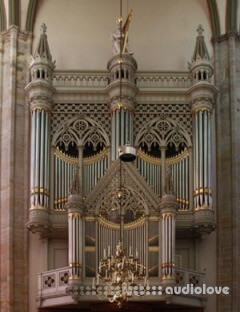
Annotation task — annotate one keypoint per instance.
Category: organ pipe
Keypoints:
(40, 158)
(122, 129)
(163, 161)
(75, 239)
(91, 170)
(168, 224)
(202, 159)
(151, 170)
(135, 237)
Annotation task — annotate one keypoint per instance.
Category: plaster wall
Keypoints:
(207, 264)
(38, 262)
(221, 5)
(6, 6)
(23, 12)
(162, 33)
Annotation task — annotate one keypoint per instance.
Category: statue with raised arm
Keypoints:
(120, 36)
(169, 189)
(116, 39)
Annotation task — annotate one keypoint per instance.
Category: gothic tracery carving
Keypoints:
(132, 205)
(163, 131)
(80, 130)
(145, 202)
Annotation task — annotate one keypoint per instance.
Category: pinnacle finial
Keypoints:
(43, 28)
(200, 30)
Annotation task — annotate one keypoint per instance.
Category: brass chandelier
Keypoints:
(120, 274)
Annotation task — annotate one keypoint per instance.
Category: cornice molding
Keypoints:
(226, 36)
(90, 87)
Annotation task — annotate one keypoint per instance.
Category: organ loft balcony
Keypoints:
(144, 226)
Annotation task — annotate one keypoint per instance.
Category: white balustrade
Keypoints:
(55, 282)
(64, 79)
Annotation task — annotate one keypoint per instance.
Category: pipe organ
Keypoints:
(180, 173)
(202, 161)
(122, 69)
(94, 168)
(40, 173)
(151, 167)
(202, 94)
(176, 182)
(134, 234)
(168, 252)
(64, 169)
(40, 92)
(122, 129)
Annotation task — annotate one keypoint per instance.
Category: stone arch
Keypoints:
(212, 7)
(2, 16)
(31, 14)
(214, 17)
(231, 17)
(13, 12)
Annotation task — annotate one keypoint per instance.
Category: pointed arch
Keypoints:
(13, 12)
(2, 16)
(31, 15)
(231, 18)
(214, 15)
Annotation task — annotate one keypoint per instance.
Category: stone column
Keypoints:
(168, 207)
(227, 75)
(14, 144)
(122, 100)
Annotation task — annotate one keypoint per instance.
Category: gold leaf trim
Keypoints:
(157, 161)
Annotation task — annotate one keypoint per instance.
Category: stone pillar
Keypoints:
(168, 207)
(14, 144)
(40, 92)
(122, 69)
(227, 77)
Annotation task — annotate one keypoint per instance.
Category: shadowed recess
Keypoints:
(214, 16)
(13, 12)
(31, 14)
(2, 16)
(231, 18)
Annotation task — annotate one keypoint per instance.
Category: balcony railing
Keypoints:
(52, 287)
